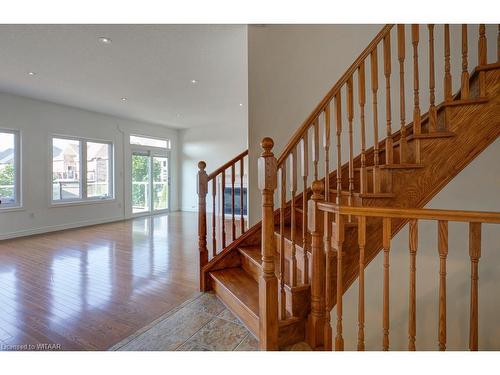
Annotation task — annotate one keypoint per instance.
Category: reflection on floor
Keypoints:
(201, 324)
(89, 288)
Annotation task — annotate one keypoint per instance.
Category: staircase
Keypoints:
(283, 276)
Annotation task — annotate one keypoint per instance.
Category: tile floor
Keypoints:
(200, 324)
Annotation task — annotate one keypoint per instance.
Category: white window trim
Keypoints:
(83, 199)
(17, 168)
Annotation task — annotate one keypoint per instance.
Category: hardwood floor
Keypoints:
(89, 288)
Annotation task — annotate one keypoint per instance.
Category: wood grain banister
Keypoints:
(414, 213)
(227, 165)
(333, 91)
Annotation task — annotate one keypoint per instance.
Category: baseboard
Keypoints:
(59, 227)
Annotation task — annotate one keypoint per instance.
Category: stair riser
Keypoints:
(249, 319)
(250, 267)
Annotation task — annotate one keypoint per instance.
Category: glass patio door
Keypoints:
(160, 183)
(141, 189)
(150, 182)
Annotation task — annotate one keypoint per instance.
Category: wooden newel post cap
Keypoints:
(202, 185)
(267, 166)
(267, 145)
(318, 188)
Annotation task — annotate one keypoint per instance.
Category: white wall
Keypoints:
(37, 121)
(215, 145)
(477, 187)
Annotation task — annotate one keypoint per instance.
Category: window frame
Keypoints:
(136, 145)
(83, 199)
(17, 169)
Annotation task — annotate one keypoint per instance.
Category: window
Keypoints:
(81, 169)
(147, 141)
(9, 169)
(66, 181)
(98, 170)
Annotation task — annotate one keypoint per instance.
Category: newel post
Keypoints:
(202, 188)
(268, 283)
(316, 319)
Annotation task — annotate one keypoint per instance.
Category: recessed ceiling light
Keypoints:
(32, 74)
(241, 104)
(105, 40)
(124, 99)
(194, 81)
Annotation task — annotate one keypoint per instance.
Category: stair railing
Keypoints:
(367, 176)
(228, 214)
(392, 220)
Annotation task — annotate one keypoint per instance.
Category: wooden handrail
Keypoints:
(414, 213)
(331, 94)
(220, 227)
(224, 166)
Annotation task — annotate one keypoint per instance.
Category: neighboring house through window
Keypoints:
(9, 169)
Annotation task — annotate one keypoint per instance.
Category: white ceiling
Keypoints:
(151, 65)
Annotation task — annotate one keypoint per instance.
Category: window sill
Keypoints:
(11, 209)
(81, 202)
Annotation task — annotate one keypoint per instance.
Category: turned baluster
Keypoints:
(282, 240)
(412, 311)
(338, 123)
(376, 152)
(474, 254)
(316, 319)
(403, 151)
(327, 230)
(233, 221)
(293, 223)
(361, 290)
(417, 129)
(350, 115)
(432, 83)
(268, 284)
(362, 102)
(464, 88)
(443, 253)
(482, 59)
(389, 157)
(448, 96)
(214, 216)
(315, 154)
(223, 208)
(242, 220)
(329, 279)
(305, 171)
(326, 147)
(338, 241)
(386, 243)
(202, 188)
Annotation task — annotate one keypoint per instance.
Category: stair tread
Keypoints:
(287, 233)
(402, 166)
(440, 134)
(364, 195)
(240, 284)
(253, 253)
